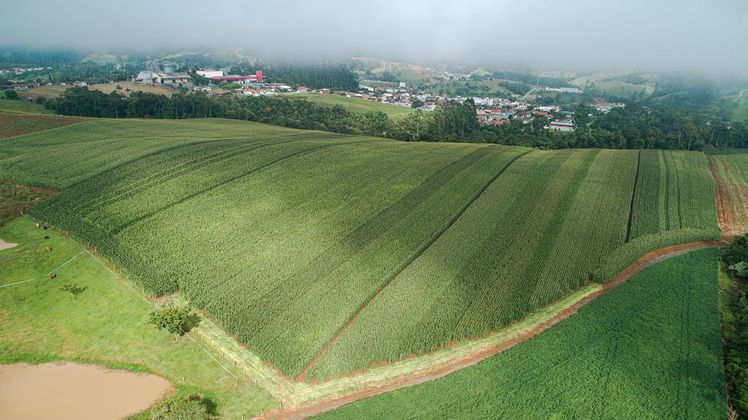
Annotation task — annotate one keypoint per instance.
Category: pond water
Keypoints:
(65, 390)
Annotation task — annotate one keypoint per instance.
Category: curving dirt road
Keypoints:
(454, 365)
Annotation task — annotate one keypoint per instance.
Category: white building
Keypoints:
(566, 125)
(155, 78)
(210, 73)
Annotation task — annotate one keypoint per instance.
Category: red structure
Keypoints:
(234, 78)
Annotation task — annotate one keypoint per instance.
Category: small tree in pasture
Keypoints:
(178, 320)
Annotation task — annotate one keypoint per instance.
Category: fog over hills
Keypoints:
(704, 36)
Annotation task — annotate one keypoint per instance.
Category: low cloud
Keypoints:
(687, 35)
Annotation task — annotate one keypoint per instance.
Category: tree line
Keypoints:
(735, 325)
(315, 76)
(633, 127)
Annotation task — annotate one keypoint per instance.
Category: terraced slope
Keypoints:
(325, 253)
(648, 349)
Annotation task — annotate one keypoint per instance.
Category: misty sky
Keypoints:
(707, 35)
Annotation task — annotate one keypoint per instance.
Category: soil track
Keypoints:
(454, 365)
(725, 210)
(6, 245)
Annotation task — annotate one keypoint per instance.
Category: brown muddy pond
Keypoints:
(65, 390)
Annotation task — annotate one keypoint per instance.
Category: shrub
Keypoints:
(178, 320)
(189, 407)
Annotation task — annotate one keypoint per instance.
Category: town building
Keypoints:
(566, 125)
(231, 78)
(210, 73)
(162, 78)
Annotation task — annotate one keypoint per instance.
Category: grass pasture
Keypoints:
(305, 244)
(648, 349)
(18, 106)
(49, 92)
(354, 104)
(126, 87)
(105, 324)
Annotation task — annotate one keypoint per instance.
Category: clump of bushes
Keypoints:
(189, 407)
(176, 319)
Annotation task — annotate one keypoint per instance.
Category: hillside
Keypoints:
(648, 349)
(285, 236)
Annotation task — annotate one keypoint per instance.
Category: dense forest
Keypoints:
(735, 325)
(315, 76)
(633, 127)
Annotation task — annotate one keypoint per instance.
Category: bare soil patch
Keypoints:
(12, 125)
(6, 245)
(72, 391)
(725, 211)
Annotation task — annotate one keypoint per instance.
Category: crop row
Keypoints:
(648, 349)
(556, 221)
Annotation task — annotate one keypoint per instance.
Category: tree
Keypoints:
(74, 290)
(739, 269)
(11, 94)
(177, 320)
(189, 407)
(417, 103)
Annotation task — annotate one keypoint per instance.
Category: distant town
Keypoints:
(491, 110)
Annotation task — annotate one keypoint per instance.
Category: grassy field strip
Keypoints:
(409, 367)
(294, 394)
(244, 361)
(47, 275)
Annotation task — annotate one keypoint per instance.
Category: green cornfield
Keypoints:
(651, 348)
(283, 236)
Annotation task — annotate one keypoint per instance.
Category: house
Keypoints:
(175, 78)
(23, 86)
(566, 125)
(233, 78)
(155, 78)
